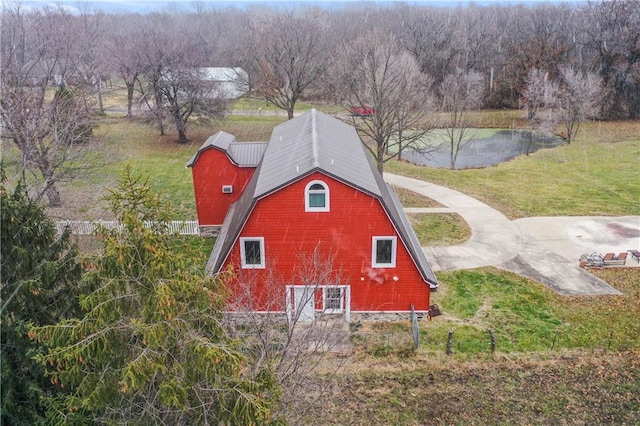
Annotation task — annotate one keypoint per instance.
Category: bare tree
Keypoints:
(50, 131)
(155, 49)
(122, 48)
(174, 80)
(279, 335)
(432, 35)
(614, 46)
(374, 73)
(530, 37)
(188, 91)
(461, 93)
(579, 99)
(539, 96)
(288, 56)
(91, 61)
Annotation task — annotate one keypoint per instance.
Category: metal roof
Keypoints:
(247, 154)
(223, 73)
(244, 154)
(313, 142)
(220, 140)
(231, 82)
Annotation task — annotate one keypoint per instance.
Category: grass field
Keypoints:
(595, 175)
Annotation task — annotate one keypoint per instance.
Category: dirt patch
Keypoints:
(82, 205)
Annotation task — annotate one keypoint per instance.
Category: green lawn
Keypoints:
(524, 316)
(442, 229)
(595, 175)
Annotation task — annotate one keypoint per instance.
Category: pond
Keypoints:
(487, 148)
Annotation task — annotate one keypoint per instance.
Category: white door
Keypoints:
(304, 303)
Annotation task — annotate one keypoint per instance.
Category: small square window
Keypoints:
(252, 252)
(384, 252)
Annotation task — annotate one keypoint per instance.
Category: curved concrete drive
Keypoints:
(544, 249)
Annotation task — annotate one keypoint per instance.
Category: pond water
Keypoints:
(500, 146)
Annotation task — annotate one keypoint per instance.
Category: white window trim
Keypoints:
(243, 255)
(327, 198)
(394, 249)
(346, 300)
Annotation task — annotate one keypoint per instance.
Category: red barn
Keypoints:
(315, 229)
(221, 169)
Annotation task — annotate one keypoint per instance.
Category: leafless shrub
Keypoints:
(461, 93)
(579, 99)
(280, 335)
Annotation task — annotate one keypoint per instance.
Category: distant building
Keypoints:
(312, 190)
(231, 83)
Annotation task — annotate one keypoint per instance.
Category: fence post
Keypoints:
(492, 340)
(449, 341)
(415, 328)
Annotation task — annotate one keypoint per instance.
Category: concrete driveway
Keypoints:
(545, 249)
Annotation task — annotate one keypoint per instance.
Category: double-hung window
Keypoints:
(383, 252)
(316, 197)
(252, 252)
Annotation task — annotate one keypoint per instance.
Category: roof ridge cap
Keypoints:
(314, 139)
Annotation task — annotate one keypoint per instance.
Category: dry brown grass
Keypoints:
(556, 388)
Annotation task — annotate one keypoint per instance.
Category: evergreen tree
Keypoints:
(39, 276)
(151, 348)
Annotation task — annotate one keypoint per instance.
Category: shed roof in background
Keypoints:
(232, 81)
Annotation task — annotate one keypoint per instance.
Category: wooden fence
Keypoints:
(84, 227)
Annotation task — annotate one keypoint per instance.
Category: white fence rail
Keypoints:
(84, 227)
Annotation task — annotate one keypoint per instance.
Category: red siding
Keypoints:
(346, 232)
(212, 170)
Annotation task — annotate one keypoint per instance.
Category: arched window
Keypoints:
(316, 197)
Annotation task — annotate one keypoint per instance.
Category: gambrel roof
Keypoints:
(316, 142)
(310, 142)
(243, 154)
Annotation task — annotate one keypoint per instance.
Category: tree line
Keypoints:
(503, 43)
(580, 61)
